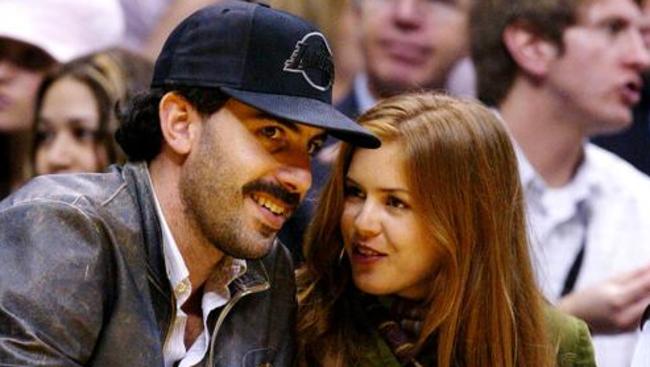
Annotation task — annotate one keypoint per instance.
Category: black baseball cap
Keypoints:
(266, 58)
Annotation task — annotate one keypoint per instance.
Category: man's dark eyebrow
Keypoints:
(293, 126)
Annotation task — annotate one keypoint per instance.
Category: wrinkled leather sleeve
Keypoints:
(53, 284)
(284, 285)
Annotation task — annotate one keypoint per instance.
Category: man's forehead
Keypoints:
(460, 3)
(592, 11)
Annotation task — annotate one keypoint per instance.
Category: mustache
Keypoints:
(272, 189)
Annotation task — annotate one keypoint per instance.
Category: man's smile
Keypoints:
(273, 204)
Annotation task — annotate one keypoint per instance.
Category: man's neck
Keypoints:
(200, 256)
(550, 137)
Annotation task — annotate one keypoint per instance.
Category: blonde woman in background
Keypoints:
(75, 111)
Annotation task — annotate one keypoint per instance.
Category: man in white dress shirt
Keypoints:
(560, 72)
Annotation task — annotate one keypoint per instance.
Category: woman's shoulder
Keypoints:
(571, 338)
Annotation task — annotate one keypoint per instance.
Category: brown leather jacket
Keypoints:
(82, 281)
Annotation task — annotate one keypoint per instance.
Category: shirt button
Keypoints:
(181, 288)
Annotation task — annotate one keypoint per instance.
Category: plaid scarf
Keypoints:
(399, 323)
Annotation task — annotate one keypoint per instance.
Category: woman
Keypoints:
(75, 119)
(418, 255)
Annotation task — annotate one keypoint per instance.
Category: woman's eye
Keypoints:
(44, 136)
(271, 132)
(396, 203)
(352, 191)
(85, 135)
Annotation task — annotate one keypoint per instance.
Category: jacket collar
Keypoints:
(136, 176)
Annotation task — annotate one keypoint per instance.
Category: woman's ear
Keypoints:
(532, 52)
(177, 116)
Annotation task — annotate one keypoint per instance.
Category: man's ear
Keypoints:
(177, 122)
(532, 53)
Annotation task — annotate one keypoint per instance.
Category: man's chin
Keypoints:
(394, 85)
(253, 247)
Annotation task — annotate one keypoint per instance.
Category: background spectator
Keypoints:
(560, 72)
(35, 35)
(75, 111)
(405, 45)
(338, 21)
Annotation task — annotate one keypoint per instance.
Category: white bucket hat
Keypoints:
(65, 29)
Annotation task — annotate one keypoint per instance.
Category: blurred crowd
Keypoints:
(66, 67)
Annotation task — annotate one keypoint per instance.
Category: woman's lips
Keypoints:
(365, 255)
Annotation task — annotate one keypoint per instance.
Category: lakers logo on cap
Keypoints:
(312, 58)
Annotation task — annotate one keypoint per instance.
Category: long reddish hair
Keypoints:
(484, 307)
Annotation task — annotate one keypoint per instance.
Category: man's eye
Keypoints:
(315, 146)
(614, 27)
(44, 136)
(271, 132)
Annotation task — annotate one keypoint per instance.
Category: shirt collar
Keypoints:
(177, 272)
(362, 92)
(585, 182)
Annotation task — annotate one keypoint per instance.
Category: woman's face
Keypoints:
(67, 130)
(384, 238)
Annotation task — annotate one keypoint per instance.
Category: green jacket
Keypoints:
(570, 336)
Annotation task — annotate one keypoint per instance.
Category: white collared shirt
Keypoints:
(365, 100)
(617, 235)
(642, 354)
(215, 295)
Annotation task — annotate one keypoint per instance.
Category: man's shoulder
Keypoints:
(84, 191)
(619, 177)
(349, 105)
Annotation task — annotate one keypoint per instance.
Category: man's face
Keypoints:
(245, 176)
(21, 70)
(598, 74)
(412, 44)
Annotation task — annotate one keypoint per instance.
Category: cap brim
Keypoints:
(308, 111)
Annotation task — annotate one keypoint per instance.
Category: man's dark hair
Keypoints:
(139, 133)
(495, 68)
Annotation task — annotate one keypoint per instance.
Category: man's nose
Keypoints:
(407, 13)
(296, 179)
(638, 53)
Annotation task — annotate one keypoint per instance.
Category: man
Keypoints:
(560, 72)
(632, 143)
(406, 45)
(171, 259)
(35, 36)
